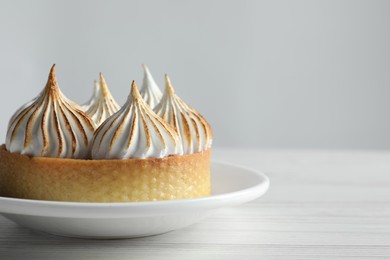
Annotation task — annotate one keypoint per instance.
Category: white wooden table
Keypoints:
(321, 205)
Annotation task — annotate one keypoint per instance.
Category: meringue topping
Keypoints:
(50, 125)
(102, 104)
(135, 131)
(150, 92)
(194, 131)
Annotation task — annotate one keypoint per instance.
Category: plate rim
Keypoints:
(147, 207)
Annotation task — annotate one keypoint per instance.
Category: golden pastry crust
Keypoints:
(152, 179)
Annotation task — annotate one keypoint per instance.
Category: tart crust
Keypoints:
(130, 180)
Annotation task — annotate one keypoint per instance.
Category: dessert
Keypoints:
(102, 104)
(54, 151)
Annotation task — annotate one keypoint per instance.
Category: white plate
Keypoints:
(231, 185)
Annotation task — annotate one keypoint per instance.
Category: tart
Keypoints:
(56, 150)
(151, 179)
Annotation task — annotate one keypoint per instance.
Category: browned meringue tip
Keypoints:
(103, 84)
(168, 85)
(134, 91)
(52, 79)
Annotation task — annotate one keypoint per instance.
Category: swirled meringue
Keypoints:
(135, 131)
(150, 92)
(50, 126)
(102, 104)
(194, 131)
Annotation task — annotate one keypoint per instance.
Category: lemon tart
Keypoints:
(56, 151)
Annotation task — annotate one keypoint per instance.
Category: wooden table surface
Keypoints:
(322, 204)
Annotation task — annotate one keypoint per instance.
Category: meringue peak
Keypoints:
(134, 93)
(52, 79)
(135, 131)
(194, 131)
(96, 85)
(102, 104)
(50, 125)
(147, 71)
(168, 86)
(149, 81)
(150, 91)
(103, 84)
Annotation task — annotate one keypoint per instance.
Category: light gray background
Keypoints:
(294, 74)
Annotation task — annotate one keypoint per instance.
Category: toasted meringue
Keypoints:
(135, 131)
(102, 104)
(50, 125)
(150, 92)
(194, 131)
